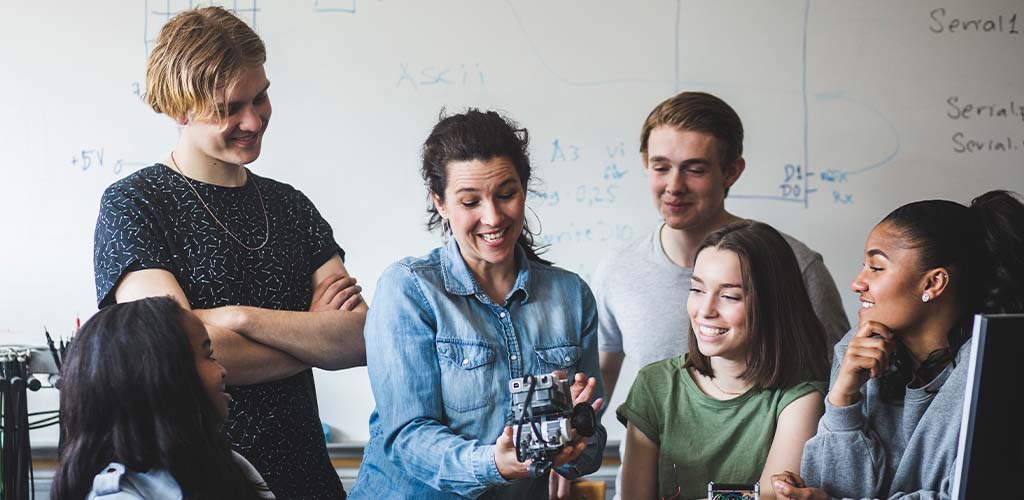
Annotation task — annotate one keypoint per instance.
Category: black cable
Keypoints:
(4, 464)
(42, 424)
(39, 424)
(531, 383)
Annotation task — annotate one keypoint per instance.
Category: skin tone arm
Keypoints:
(330, 339)
(639, 465)
(798, 422)
(247, 362)
(611, 366)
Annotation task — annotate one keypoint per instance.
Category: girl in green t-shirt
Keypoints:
(741, 404)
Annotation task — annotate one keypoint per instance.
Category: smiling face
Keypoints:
(211, 372)
(686, 177)
(484, 202)
(717, 305)
(236, 138)
(890, 284)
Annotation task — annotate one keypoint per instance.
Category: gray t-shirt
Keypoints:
(641, 300)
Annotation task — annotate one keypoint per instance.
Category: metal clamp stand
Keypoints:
(17, 364)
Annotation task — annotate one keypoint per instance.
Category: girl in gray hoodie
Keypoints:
(892, 415)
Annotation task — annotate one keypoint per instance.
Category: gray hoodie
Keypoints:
(890, 450)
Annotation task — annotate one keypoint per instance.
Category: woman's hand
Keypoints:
(506, 460)
(337, 292)
(582, 389)
(790, 486)
(867, 357)
(509, 466)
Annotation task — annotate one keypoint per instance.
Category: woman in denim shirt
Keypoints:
(448, 330)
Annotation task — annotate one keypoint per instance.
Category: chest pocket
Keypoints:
(563, 357)
(467, 370)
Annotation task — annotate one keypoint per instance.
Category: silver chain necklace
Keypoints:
(266, 221)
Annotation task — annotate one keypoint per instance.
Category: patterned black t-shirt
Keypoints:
(152, 220)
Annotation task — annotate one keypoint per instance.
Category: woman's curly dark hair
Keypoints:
(476, 135)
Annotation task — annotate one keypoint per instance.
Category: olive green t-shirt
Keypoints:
(699, 438)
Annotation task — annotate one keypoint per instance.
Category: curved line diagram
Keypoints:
(835, 96)
(892, 128)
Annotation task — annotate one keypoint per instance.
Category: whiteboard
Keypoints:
(851, 108)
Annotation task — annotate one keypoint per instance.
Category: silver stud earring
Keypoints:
(926, 297)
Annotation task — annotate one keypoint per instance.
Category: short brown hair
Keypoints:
(787, 342)
(198, 53)
(698, 112)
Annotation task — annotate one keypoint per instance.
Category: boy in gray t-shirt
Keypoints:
(692, 150)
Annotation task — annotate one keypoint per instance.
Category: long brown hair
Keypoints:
(787, 345)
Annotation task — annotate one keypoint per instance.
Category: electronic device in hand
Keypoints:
(733, 491)
(545, 419)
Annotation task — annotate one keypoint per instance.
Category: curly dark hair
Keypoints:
(476, 135)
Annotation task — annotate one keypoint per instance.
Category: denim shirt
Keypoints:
(440, 354)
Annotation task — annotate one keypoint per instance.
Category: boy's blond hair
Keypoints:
(198, 54)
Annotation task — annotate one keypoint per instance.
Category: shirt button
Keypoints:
(514, 357)
(465, 362)
(501, 315)
(567, 358)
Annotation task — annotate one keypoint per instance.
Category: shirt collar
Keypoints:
(459, 280)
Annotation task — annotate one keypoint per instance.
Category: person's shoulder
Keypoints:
(799, 389)
(637, 249)
(804, 254)
(140, 183)
(666, 369)
(559, 277)
(963, 355)
(269, 183)
(274, 188)
(117, 482)
(635, 253)
(412, 266)
(552, 271)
